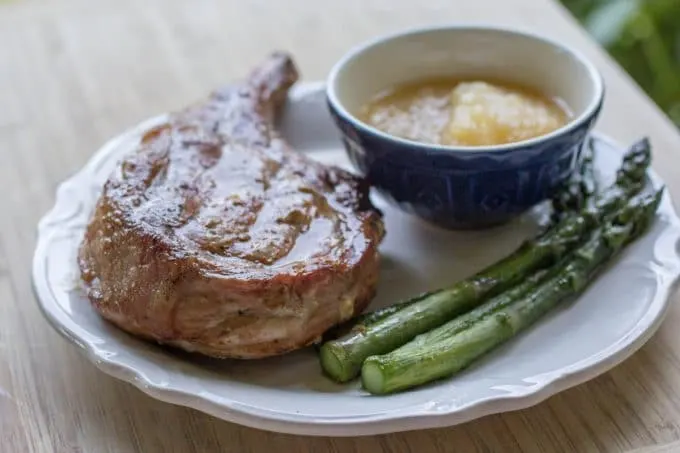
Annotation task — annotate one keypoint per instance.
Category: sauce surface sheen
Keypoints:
(458, 112)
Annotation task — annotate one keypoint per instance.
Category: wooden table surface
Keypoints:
(75, 72)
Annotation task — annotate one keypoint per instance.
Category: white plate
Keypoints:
(288, 394)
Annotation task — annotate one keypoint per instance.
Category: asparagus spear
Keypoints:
(341, 359)
(455, 345)
(360, 322)
(499, 302)
(580, 187)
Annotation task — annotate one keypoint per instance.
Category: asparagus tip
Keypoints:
(642, 143)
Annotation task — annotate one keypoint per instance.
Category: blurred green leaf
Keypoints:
(608, 23)
(644, 37)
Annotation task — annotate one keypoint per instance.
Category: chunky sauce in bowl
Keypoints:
(464, 112)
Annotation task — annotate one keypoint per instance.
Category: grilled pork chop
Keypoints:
(215, 237)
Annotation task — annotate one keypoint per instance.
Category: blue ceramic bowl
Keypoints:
(456, 186)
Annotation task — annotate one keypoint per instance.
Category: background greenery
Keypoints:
(644, 37)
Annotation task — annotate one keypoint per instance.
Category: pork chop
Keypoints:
(216, 237)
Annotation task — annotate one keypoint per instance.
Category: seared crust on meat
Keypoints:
(214, 236)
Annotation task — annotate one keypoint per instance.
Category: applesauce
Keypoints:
(464, 112)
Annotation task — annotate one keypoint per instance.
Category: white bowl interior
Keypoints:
(465, 53)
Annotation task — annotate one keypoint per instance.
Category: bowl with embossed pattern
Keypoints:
(461, 186)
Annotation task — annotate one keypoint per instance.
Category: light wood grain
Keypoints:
(75, 72)
(667, 448)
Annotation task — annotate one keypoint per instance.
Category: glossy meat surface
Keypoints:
(216, 237)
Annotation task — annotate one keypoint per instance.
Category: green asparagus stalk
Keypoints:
(341, 359)
(500, 301)
(581, 186)
(455, 345)
(360, 322)
(496, 303)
